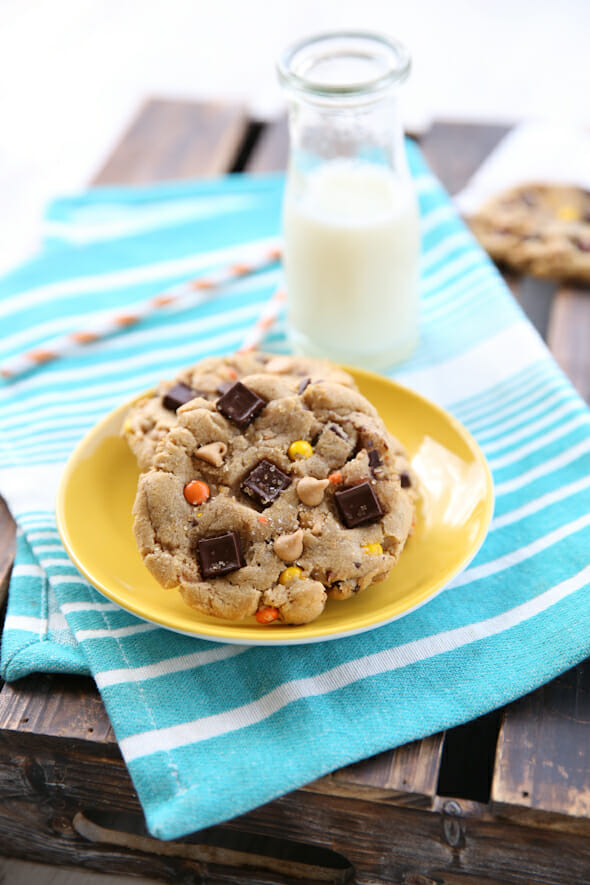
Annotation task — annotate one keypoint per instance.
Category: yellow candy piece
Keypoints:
(568, 213)
(373, 549)
(299, 449)
(127, 426)
(290, 574)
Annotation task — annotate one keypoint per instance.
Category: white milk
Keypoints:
(351, 263)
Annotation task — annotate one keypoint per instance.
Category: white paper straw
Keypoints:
(194, 291)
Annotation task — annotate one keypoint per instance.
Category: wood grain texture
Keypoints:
(569, 336)
(456, 150)
(18, 872)
(176, 140)
(390, 844)
(55, 706)
(408, 773)
(271, 151)
(7, 548)
(543, 755)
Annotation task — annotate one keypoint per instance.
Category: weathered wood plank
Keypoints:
(7, 545)
(408, 773)
(271, 151)
(55, 706)
(569, 336)
(456, 150)
(176, 140)
(543, 755)
(386, 843)
(18, 872)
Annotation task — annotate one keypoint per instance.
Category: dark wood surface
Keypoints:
(504, 799)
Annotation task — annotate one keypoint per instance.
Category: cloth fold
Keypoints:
(535, 151)
(208, 730)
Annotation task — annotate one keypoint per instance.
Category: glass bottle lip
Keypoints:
(389, 56)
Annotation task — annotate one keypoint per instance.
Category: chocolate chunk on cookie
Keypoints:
(220, 555)
(358, 505)
(265, 482)
(177, 396)
(240, 404)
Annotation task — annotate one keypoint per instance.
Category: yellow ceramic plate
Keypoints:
(98, 488)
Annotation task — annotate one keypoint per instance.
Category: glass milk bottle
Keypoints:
(350, 219)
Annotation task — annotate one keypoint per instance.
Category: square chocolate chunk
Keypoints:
(358, 505)
(177, 396)
(265, 483)
(240, 404)
(220, 555)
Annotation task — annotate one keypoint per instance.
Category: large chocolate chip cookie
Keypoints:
(539, 229)
(267, 498)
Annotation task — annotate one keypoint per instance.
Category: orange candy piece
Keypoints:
(196, 492)
(335, 478)
(267, 614)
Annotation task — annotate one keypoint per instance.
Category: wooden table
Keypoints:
(504, 799)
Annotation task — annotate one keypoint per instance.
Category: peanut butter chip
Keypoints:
(213, 453)
(289, 547)
(311, 490)
(279, 365)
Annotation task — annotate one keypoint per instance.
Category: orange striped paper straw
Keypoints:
(193, 292)
(264, 323)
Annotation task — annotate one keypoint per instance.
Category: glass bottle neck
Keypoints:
(371, 133)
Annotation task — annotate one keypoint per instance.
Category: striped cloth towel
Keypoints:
(209, 731)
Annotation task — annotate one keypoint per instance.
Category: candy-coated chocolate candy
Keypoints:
(299, 449)
(568, 213)
(267, 614)
(196, 492)
(293, 573)
(373, 549)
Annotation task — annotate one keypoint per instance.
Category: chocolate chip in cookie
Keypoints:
(177, 396)
(240, 405)
(358, 505)
(220, 555)
(265, 483)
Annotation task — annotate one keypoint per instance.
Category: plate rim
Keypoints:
(217, 632)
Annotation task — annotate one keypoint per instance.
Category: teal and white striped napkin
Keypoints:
(208, 730)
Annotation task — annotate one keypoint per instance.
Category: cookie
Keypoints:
(151, 417)
(269, 498)
(539, 229)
